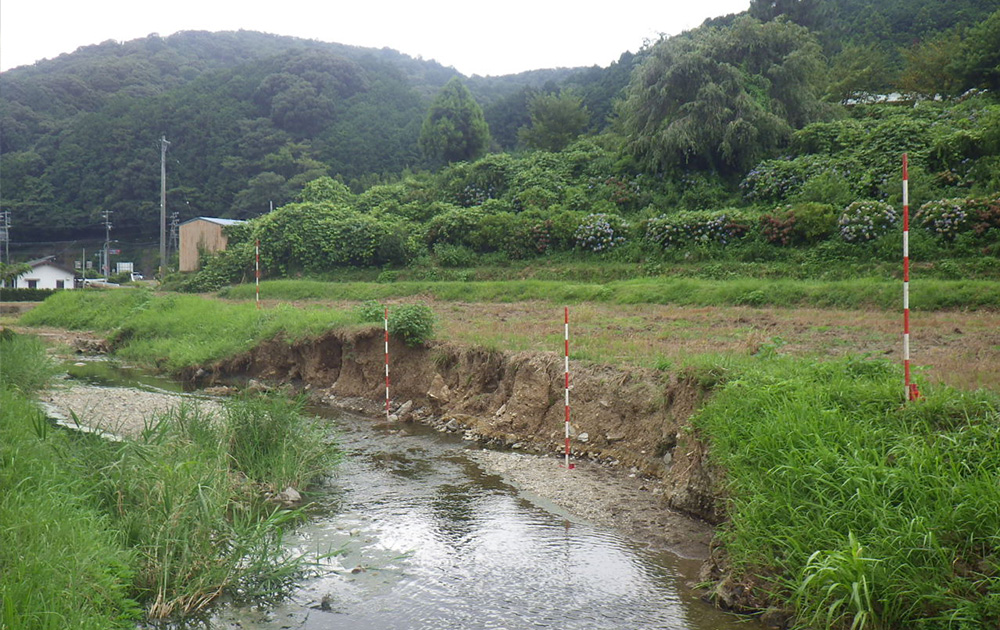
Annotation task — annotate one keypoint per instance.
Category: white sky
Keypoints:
(485, 38)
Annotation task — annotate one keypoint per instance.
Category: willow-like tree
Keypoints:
(454, 129)
(722, 98)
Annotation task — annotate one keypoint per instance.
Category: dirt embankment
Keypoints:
(634, 418)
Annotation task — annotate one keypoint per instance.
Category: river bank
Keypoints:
(604, 495)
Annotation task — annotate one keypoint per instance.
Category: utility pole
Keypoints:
(163, 206)
(107, 244)
(5, 234)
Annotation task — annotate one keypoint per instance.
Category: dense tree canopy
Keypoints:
(454, 129)
(722, 98)
(253, 117)
(556, 120)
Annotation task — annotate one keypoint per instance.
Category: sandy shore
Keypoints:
(122, 412)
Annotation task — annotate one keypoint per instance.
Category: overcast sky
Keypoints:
(486, 38)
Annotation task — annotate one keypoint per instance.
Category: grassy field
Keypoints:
(862, 293)
(845, 503)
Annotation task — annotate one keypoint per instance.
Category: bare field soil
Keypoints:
(957, 348)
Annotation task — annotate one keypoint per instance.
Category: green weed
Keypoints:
(93, 530)
(867, 512)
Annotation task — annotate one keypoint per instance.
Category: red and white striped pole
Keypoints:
(568, 465)
(910, 391)
(256, 252)
(386, 320)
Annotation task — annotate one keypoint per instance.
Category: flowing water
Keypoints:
(424, 539)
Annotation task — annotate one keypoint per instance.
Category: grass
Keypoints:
(173, 331)
(63, 566)
(864, 512)
(862, 293)
(92, 531)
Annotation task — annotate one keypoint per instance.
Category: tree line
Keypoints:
(253, 118)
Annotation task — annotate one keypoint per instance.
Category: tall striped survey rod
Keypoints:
(910, 391)
(568, 465)
(386, 320)
(256, 253)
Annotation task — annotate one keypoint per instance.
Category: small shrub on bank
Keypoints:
(370, 312)
(696, 228)
(945, 218)
(449, 255)
(413, 323)
(799, 224)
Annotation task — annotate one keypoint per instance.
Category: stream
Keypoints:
(425, 539)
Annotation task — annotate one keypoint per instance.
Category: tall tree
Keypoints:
(722, 98)
(454, 129)
(859, 72)
(808, 13)
(979, 61)
(556, 120)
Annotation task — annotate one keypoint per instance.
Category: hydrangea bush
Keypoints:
(683, 228)
(945, 218)
(601, 232)
(866, 220)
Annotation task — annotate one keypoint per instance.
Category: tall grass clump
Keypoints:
(189, 497)
(24, 366)
(93, 532)
(271, 441)
(863, 511)
(61, 564)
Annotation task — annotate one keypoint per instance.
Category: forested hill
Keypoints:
(251, 117)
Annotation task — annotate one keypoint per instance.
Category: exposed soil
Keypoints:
(632, 418)
(611, 485)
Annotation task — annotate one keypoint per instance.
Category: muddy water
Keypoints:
(425, 540)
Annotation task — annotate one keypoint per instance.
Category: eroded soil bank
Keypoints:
(635, 419)
(639, 465)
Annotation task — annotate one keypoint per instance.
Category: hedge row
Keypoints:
(25, 295)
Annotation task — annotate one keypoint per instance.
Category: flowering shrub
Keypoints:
(866, 220)
(985, 214)
(779, 228)
(624, 192)
(799, 223)
(775, 180)
(600, 232)
(682, 228)
(945, 218)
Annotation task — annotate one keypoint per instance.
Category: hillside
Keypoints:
(252, 117)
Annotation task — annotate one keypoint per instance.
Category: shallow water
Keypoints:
(430, 541)
(426, 540)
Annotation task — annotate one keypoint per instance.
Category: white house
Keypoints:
(45, 274)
